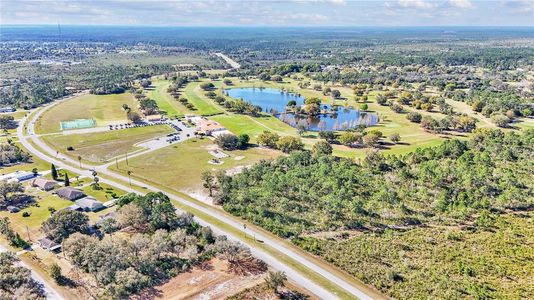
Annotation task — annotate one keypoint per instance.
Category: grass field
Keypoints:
(17, 114)
(105, 194)
(102, 146)
(240, 124)
(38, 212)
(180, 166)
(102, 108)
(204, 106)
(164, 100)
(412, 135)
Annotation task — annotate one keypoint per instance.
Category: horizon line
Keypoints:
(271, 26)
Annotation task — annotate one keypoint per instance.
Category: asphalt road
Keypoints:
(234, 64)
(50, 292)
(49, 155)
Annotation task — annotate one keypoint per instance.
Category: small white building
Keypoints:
(17, 176)
(7, 109)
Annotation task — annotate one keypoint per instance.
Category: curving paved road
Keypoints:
(48, 154)
(50, 292)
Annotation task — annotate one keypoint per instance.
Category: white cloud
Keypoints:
(268, 12)
(520, 6)
(461, 3)
(308, 17)
(420, 4)
(337, 2)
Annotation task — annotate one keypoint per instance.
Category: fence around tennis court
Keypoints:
(77, 124)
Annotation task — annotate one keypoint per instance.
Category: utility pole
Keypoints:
(116, 163)
(127, 158)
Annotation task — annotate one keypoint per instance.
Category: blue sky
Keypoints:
(270, 12)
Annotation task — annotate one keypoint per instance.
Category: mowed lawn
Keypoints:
(180, 166)
(204, 106)
(39, 212)
(102, 146)
(105, 194)
(165, 101)
(103, 108)
(412, 135)
(253, 126)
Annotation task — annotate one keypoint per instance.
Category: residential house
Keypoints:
(17, 176)
(7, 109)
(110, 215)
(70, 193)
(89, 204)
(48, 244)
(43, 183)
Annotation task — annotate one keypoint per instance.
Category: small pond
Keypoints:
(275, 100)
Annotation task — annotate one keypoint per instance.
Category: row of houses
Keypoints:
(82, 202)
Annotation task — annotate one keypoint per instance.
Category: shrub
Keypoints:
(268, 139)
(25, 214)
(227, 141)
(414, 117)
(396, 108)
(329, 136)
(70, 148)
(395, 138)
(289, 144)
(500, 120)
(322, 148)
(207, 86)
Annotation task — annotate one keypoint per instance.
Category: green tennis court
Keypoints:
(77, 124)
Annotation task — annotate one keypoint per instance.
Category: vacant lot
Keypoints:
(103, 108)
(105, 194)
(213, 281)
(180, 166)
(102, 146)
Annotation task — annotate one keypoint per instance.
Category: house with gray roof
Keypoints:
(70, 193)
(89, 204)
(43, 183)
(48, 244)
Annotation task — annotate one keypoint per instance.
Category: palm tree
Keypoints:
(80, 160)
(129, 179)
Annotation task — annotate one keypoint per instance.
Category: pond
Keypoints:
(274, 101)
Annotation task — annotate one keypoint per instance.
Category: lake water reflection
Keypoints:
(275, 100)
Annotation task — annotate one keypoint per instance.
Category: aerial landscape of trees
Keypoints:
(427, 194)
(17, 282)
(161, 244)
(459, 183)
(11, 153)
